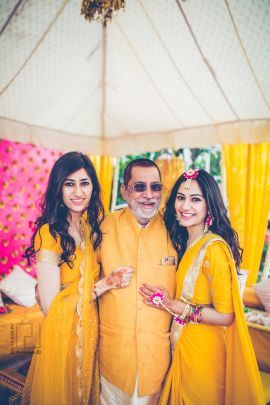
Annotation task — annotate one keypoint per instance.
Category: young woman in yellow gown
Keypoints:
(64, 367)
(213, 360)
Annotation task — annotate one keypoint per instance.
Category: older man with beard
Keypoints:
(134, 348)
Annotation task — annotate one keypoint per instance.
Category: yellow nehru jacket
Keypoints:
(134, 338)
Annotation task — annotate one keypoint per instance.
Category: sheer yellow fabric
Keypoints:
(248, 189)
(212, 365)
(170, 169)
(104, 166)
(65, 370)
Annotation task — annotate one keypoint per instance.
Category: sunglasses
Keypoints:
(141, 187)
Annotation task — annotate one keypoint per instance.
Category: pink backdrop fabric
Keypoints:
(24, 171)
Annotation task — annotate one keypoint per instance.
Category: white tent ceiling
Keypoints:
(164, 73)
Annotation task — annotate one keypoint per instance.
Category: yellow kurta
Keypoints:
(64, 369)
(134, 337)
(211, 365)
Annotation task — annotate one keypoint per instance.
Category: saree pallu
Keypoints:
(211, 365)
(64, 369)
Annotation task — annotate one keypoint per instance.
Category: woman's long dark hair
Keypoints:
(55, 213)
(221, 225)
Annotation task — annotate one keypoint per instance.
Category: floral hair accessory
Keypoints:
(190, 175)
(156, 298)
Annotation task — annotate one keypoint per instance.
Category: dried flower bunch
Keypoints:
(101, 10)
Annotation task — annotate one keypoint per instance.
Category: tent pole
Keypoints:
(103, 81)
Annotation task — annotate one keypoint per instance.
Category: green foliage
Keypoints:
(203, 158)
(123, 162)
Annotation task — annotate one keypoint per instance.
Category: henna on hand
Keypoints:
(116, 279)
(119, 278)
(147, 291)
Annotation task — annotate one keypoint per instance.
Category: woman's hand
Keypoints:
(120, 277)
(147, 291)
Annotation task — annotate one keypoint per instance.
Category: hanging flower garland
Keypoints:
(101, 10)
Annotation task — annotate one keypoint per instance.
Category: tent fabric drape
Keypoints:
(248, 190)
(247, 131)
(104, 166)
(168, 74)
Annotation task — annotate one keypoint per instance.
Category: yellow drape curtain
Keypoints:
(104, 166)
(171, 168)
(248, 191)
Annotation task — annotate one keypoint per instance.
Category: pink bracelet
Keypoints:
(157, 299)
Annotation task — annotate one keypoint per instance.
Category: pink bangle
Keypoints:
(157, 299)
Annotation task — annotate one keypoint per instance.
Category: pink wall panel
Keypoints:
(24, 170)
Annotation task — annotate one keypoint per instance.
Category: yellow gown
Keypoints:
(211, 365)
(64, 368)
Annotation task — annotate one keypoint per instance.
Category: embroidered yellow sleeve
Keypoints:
(47, 249)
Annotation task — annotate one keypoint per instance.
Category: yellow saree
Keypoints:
(211, 364)
(64, 369)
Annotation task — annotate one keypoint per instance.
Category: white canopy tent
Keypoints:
(164, 73)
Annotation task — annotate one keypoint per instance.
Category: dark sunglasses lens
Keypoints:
(139, 187)
(156, 187)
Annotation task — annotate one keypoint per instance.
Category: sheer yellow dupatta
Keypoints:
(243, 381)
(243, 384)
(172, 388)
(65, 371)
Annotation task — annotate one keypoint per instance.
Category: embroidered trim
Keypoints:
(46, 256)
(189, 286)
(79, 344)
(11, 381)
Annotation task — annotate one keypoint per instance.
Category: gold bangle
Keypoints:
(183, 299)
(185, 312)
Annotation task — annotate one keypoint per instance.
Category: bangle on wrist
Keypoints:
(157, 299)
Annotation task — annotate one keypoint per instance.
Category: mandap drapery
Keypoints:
(104, 166)
(248, 191)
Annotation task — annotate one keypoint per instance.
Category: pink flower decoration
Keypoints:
(191, 174)
(156, 298)
(32, 225)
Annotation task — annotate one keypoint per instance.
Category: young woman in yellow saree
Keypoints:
(64, 367)
(213, 360)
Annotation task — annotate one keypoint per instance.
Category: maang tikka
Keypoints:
(190, 175)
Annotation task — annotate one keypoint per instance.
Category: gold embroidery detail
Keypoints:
(46, 256)
(79, 331)
(189, 286)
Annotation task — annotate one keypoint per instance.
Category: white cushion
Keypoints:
(242, 276)
(20, 287)
(262, 289)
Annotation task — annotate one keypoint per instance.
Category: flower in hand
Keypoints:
(156, 296)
